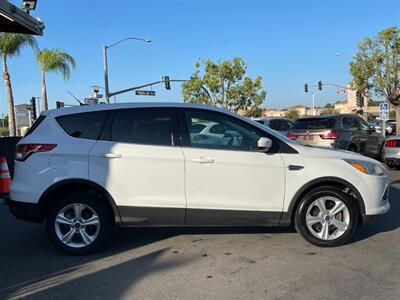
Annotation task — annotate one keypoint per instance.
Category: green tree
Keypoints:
(292, 114)
(376, 67)
(329, 111)
(4, 126)
(225, 84)
(372, 102)
(329, 105)
(53, 60)
(11, 44)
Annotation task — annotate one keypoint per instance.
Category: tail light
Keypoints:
(331, 135)
(23, 151)
(391, 143)
(292, 136)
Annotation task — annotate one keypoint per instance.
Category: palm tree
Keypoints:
(53, 60)
(10, 45)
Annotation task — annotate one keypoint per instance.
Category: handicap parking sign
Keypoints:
(384, 107)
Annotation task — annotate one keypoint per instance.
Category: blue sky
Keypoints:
(287, 42)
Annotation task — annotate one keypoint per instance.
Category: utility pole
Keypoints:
(106, 74)
(313, 103)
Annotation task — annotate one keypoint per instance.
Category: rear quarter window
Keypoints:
(83, 125)
(35, 125)
(314, 123)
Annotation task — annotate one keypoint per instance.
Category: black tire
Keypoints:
(306, 202)
(103, 233)
(352, 148)
(379, 155)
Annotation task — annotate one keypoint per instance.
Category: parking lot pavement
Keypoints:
(201, 263)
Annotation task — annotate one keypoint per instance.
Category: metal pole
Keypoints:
(384, 126)
(30, 118)
(106, 74)
(313, 104)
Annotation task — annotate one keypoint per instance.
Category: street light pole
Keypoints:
(106, 74)
(105, 47)
(313, 103)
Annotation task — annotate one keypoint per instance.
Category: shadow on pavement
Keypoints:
(109, 279)
(30, 266)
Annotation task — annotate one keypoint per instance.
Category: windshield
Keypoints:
(314, 123)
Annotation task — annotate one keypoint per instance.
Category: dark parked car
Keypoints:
(7, 150)
(348, 132)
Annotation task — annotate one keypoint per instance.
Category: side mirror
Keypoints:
(372, 129)
(264, 144)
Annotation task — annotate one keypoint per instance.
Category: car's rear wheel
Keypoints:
(78, 224)
(352, 148)
(379, 155)
(327, 217)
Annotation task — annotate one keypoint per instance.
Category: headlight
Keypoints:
(367, 167)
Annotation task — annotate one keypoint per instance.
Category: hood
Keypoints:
(319, 152)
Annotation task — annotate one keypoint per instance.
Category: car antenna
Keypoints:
(80, 103)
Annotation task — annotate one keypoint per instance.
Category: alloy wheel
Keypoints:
(327, 218)
(77, 225)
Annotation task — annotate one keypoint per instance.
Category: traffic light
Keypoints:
(359, 99)
(33, 108)
(167, 82)
(59, 104)
(306, 88)
(320, 85)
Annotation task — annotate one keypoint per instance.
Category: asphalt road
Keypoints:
(205, 263)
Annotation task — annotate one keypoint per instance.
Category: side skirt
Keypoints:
(158, 216)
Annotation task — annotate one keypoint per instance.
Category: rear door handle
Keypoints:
(111, 155)
(204, 160)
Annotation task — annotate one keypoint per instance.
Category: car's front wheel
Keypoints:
(77, 223)
(327, 217)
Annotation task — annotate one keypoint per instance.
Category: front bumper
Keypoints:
(381, 208)
(25, 211)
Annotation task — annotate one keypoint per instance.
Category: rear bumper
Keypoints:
(392, 162)
(25, 211)
(391, 156)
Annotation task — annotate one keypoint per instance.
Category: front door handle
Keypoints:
(111, 155)
(204, 160)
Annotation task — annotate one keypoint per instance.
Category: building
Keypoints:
(345, 106)
(273, 112)
(22, 118)
(301, 109)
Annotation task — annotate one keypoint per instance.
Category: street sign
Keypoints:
(340, 92)
(384, 109)
(384, 106)
(145, 93)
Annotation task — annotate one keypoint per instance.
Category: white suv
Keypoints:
(84, 170)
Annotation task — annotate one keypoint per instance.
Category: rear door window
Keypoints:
(286, 125)
(314, 123)
(349, 123)
(144, 126)
(275, 124)
(83, 125)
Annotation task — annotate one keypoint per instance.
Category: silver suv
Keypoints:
(348, 132)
